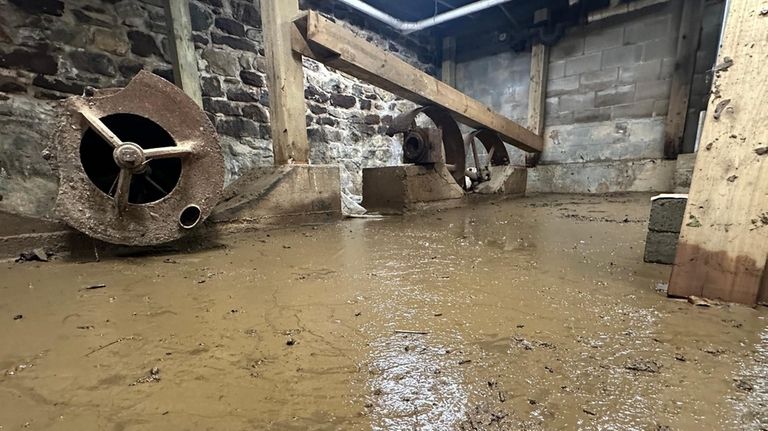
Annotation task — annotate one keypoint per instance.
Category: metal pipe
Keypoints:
(406, 27)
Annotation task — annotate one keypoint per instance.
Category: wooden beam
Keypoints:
(339, 48)
(538, 87)
(723, 245)
(285, 77)
(448, 71)
(183, 56)
(691, 13)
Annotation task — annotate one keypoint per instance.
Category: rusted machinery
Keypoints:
(444, 144)
(137, 166)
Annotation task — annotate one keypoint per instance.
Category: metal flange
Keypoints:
(137, 166)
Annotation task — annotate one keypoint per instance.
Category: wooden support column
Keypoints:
(285, 77)
(691, 14)
(183, 56)
(537, 91)
(723, 245)
(448, 70)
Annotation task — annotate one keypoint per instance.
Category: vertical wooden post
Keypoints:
(723, 245)
(285, 77)
(449, 61)
(538, 87)
(185, 73)
(690, 14)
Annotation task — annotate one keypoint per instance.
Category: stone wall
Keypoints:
(50, 49)
(607, 94)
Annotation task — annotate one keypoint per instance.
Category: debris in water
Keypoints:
(290, 341)
(152, 376)
(680, 357)
(761, 151)
(95, 286)
(743, 385)
(732, 178)
(589, 412)
(662, 287)
(464, 361)
(701, 302)
(38, 254)
(727, 63)
(720, 107)
(645, 366)
(18, 317)
(406, 331)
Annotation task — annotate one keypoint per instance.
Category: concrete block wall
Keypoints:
(607, 98)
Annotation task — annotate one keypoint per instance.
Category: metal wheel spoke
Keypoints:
(166, 152)
(101, 129)
(154, 184)
(123, 190)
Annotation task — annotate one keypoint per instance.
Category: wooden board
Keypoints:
(339, 48)
(538, 88)
(183, 56)
(690, 14)
(723, 245)
(448, 69)
(285, 79)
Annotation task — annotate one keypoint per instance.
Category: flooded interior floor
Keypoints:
(527, 314)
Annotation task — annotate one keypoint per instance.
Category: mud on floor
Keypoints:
(529, 314)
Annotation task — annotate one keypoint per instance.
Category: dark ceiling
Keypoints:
(506, 26)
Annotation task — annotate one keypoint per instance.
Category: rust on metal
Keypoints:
(452, 141)
(137, 166)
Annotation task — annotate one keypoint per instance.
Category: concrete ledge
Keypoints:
(650, 175)
(505, 180)
(406, 188)
(272, 195)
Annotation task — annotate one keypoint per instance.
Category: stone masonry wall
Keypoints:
(50, 49)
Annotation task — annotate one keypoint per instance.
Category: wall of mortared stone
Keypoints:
(51, 49)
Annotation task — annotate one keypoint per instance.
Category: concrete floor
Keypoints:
(528, 314)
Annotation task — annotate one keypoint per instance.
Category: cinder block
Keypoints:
(615, 96)
(574, 102)
(667, 213)
(598, 80)
(653, 90)
(556, 69)
(660, 108)
(639, 72)
(556, 87)
(660, 48)
(591, 115)
(667, 68)
(567, 47)
(554, 118)
(606, 38)
(582, 64)
(660, 247)
(643, 109)
(622, 56)
(648, 29)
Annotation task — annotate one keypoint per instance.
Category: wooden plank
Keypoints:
(723, 245)
(538, 87)
(339, 48)
(691, 13)
(183, 56)
(285, 79)
(448, 71)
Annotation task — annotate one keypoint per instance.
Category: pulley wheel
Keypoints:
(137, 166)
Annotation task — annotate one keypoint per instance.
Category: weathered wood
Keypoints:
(691, 13)
(339, 48)
(183, 56)
(538, 87)
(285, 77)
(723, 245)
(448, 70)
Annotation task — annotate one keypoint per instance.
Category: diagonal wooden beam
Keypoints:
(330, 43)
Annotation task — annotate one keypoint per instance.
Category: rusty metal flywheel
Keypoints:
(137, 166)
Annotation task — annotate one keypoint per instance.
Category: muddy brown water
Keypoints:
(528, 314)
